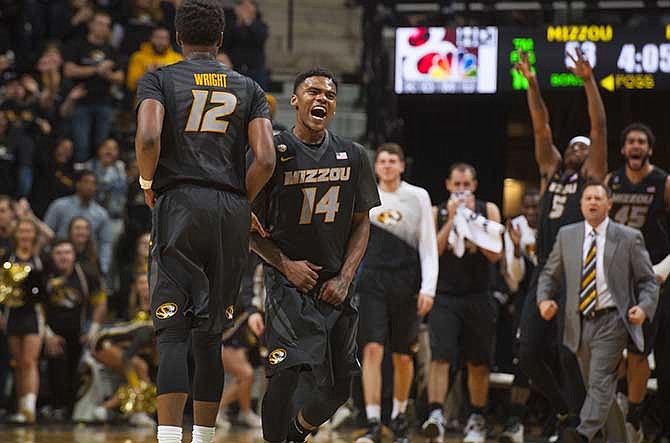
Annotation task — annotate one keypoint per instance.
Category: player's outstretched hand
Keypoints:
(523, 65)
(150, 197)
(548, 308)
(335, 290)
(302, 274)
(582, 67)
(424, 304)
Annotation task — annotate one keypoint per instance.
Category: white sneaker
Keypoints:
(433, 428)
(342, 413)
(250, 419)
(100, 414)
(141, 419)
(512, 433)
(622, 401)
(222, 422)
(19, 418)
(475, 430)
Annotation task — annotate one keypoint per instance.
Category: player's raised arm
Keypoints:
(546, 154)
(147, 142)
(596, 164)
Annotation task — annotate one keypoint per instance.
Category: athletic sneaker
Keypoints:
(513, 432)
(433, 428)
(373, 434)
(249, 419)
(142, 419)
(399, 426)
(222, 421)
(475, 430)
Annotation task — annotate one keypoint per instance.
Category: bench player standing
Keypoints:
(194, 121)
(641, 196)
(316, 210)
(541, 355)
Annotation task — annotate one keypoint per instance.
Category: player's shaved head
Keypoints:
(200, 22)
(314, 72)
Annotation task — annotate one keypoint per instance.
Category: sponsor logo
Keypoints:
(166, 310)
(277, 356)
(287, 158)
(230, 312)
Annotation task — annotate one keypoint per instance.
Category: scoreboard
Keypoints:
(623, 58)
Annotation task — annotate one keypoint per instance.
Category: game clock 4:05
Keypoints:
(622, 58)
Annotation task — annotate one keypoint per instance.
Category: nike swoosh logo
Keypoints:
(285, 159)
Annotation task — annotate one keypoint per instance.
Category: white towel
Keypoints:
(516, 268)
(478, 229)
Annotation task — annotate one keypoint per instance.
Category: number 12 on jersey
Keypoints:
(210, 122)
(327, 204)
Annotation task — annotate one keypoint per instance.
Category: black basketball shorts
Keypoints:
(463, 327)
(199, 250)
(387, 307)
(533, 329)
(301, 330)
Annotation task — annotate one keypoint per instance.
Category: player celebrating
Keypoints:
(562, 181)
(194, 121)
(641, 196)
(316, 210)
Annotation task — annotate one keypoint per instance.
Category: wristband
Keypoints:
(145, 184)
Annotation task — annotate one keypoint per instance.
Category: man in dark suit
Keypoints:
(610, 291)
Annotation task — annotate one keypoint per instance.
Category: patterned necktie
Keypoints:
(588, 291)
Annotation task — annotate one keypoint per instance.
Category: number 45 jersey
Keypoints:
(309, 202)
(642, 206)
(207, 113)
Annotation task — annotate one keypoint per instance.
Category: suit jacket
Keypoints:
(630, 277)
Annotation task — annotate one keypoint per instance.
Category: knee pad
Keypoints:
(208, 377)
(173, 374)
(276, 404)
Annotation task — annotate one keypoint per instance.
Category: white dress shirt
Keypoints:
(604, 297)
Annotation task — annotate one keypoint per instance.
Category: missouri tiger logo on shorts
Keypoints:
(390, 217)
(166, 310)
(277, 356)
(230, 311)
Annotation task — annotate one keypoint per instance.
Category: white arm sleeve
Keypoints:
(427, 246)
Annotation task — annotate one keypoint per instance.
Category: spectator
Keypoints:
(94, 63)
(152, 55)
(79, 233)
(69, 19)
(7, 221)
(69, 292)
(49, 69)
(110, 175)
(245, 42)
(63, 210)
(143, 18)
(8, 158)
(53, 176)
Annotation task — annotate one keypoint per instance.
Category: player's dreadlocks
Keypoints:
(200, 22)
(314, 72)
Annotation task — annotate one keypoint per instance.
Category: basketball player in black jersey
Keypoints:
(541, 355)
(194, 121)
(641, 196)
(316, 210)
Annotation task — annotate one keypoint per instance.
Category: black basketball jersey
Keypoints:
(559, 206)
(642, 206)
(468, 274)
(208, 108)
(309, 202)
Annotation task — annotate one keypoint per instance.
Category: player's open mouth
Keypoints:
(318, 112)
